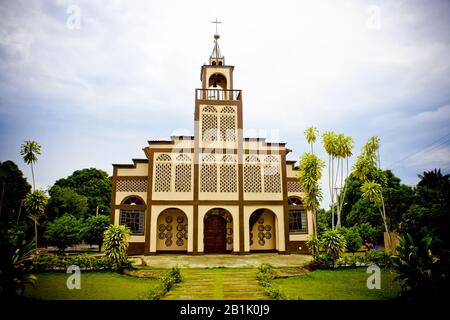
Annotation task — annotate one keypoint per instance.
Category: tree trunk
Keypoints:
(32, 175)
(35, 232)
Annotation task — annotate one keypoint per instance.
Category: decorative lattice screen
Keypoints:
(209, 127)
(252, 178)
(162, 177)
(228, 109)
(183, 178)
(228, 127)
(228, 181)
(272, 179)
(125, 185)
(293, 186)
(208, 178)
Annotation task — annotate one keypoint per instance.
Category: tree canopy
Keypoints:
(13, 189)
(92, 183)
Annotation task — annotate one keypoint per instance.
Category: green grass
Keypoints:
(103, 285)
(339, 284)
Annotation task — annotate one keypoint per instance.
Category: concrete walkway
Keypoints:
(223, 260)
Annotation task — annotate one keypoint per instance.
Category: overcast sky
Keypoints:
(94, 95)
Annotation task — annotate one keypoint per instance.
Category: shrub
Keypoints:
(45, 262)
(264, 275)
(93, 230)
(366, 231)
(313, 245)
(63, 232)
(352, 238)
(333, 243)
(167, 280)
(116, 244)
(417, 269)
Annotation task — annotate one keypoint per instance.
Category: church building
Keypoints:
(216, 191)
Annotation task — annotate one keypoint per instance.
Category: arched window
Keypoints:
(298, 220)
(133, 217)
(228, 174)
(183, 173)
(133, 200)
(252, 174)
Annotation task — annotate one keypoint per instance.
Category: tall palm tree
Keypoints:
(311, 136)
(35, 204)
(29, 151)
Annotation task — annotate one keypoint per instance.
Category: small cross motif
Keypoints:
(216, 22)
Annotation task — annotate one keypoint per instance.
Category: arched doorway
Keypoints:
(218, 231)
(172, 228)
(262, 230)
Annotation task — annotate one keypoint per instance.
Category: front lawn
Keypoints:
(95, 285)
(338, 284)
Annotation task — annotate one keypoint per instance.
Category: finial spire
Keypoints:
(216, 51)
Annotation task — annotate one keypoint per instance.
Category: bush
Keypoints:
(334, 244)
(313, 245)
(63, 232)
(45, 262)
(352, 238)
(366, 231)
(116, 244)
(264, 275)
(93, 230)
(167, 280)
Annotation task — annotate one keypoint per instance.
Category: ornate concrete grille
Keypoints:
(252, 174)
(163, 173)
(228, 127)
(125, 185)
(208, 174)
(183, 174)
(209, 123)
(293, 186)
(228, 181)
(272, 177)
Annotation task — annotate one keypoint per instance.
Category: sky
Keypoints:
(92, 81)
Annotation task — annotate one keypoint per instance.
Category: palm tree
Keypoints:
(35, 204)
(309, 174)
(311, 136)
(432, 179)
(29, 151)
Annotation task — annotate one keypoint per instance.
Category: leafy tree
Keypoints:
(309, 174)
(365, 169)
(116, 244)
(29, 151)
(13, 189)
(65, 231)
(15, 263)
(35, 204)
(93, 230)
(93, 184)
(66, 200)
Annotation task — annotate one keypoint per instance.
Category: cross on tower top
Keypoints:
(216, 22)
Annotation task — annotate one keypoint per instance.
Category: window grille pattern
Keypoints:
(134, 219)
(293, 186)
(228, 127)
(131, 185)
(183, 178)
(209, 127)
(252, 178)
(297, 221)
(228, 178)
(272, 179)
(208, 178)
(164, 157)
(228, 109)
(209, 109)
(163, 177)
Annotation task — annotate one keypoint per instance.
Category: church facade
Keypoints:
(216, 191)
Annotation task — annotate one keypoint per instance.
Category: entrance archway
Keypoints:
(218, 231)
(262, 230)
(172, 230)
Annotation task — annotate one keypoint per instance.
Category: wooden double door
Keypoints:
(215, 236)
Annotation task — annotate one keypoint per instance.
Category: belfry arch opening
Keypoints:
(217, 81)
